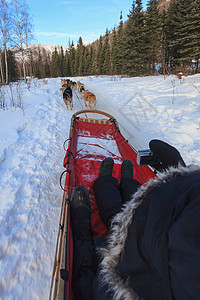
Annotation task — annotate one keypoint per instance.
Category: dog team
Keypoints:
(68, 86)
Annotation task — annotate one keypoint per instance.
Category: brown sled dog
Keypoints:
(79, 85)
(90, 98)
(67, 95)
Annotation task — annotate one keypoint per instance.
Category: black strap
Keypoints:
(68, 158)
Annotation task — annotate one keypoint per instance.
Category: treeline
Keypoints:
(148, 42)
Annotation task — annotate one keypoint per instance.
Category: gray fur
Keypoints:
(120, 225)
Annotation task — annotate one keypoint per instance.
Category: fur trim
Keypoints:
(119, 231)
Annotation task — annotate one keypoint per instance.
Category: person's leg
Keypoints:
(84, 260)
(107, 194)
(128, 185)
(101, 291)
(166, 155)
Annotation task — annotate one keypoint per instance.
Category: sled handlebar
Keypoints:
(94, 112)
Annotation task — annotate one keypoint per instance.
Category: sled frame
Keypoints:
(57, 283)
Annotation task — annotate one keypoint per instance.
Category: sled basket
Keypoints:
(91, 139)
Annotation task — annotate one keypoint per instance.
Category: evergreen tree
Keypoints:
(196, 24)
(80, 54)
(47, 70)
(78, 58)
(106, 55)
(120, 47)
(170, 30)
(13, 74)
(62, 62)
(152, 35)
(76, 63)
(140, 39)
(135, 55)
(39, 65)
(72, 53)
(93, 61)
(100, 56)
(114, 51)
(86, 62)
(164, 48)
(68, 70)
(185, 34)
(54, 64)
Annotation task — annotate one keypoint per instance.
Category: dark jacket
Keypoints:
(154, 246)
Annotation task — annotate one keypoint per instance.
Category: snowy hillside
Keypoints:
(34, 49)
(31, 158)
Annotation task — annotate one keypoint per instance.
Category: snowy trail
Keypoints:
(129, 107)
(31, 161)
(31, 199)
(151, 107)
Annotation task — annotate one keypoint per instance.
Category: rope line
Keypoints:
(80, 102)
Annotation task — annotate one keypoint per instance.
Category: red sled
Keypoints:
(90, 141)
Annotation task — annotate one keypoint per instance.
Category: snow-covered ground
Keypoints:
(31, 160)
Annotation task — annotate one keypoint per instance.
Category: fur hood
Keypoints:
(119, 230)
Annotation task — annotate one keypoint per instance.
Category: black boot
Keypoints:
(128, 185)
(106, 167)
(84, 265)
(80, 211)
(126, 169)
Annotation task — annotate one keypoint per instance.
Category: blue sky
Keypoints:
(55, 22)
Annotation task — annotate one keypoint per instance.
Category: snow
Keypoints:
(89, 146)
(31, 160)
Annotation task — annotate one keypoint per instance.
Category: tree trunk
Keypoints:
(6, 64)
(24, 69)
(1, 70)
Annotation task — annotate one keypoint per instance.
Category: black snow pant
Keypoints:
(110, 196)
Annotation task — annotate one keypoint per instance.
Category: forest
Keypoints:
(149, 42)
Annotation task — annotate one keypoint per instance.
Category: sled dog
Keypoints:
(67, 95)
(90, 98)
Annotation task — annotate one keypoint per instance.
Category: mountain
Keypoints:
(35, 48)
(48, 47)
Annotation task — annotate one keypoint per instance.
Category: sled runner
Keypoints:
(90, 141)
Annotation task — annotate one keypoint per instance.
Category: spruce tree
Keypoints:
(68, 71)
(39, 65)
(72, 53)
(80, 50)
(120, 47)
(134, 33)
(114, 51)
(100, 56)
(93, 61)
(47, 65)
(152, 35)
(78, 64)
(86, 62)
(196, 24)
(185, 34)
(170, 31)
(164, 42)
(140, 64)
(62, 62)
(106, 55)
(13, 74)
(54, 64)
